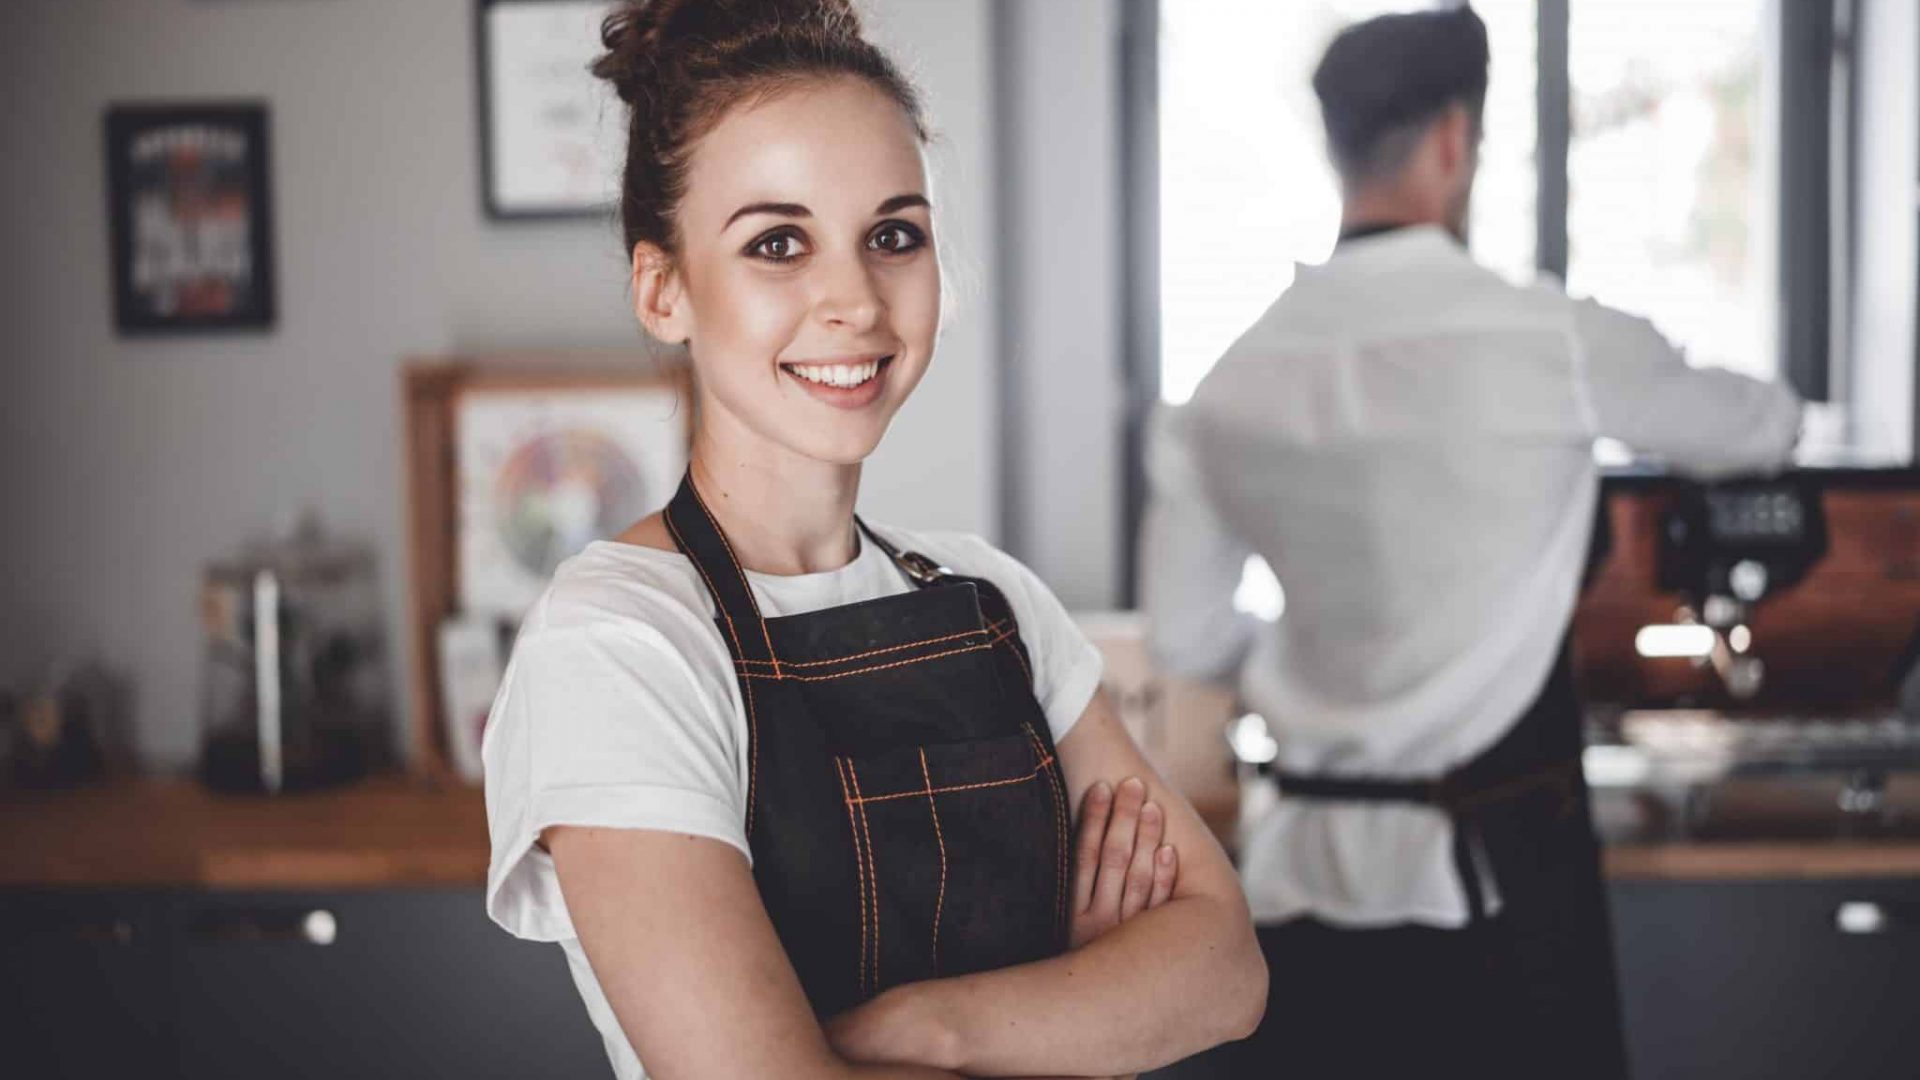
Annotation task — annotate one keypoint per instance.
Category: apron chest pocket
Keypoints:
(961, 857)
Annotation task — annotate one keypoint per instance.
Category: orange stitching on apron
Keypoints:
(744, 583)
(869, 670)
(920, 792)
(1059, 827)
(790, 664)
(753, 723)
(940, 898)
(860, 870)
(1015, 650)
(874, 878)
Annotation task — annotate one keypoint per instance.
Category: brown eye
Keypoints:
(777, 247)
(896, 238)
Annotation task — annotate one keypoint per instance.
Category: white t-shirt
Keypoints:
(620, 708)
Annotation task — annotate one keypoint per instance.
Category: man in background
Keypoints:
(1407, 440)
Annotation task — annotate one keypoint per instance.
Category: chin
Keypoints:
(852, 449)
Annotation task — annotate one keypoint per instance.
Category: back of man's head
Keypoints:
(1384, 80)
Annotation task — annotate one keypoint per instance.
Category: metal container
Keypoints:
(294, 690)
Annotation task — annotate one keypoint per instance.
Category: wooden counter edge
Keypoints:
(1762, 860)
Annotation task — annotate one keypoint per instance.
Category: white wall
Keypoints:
(128, 463)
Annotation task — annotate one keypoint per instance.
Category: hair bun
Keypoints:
(644, 37)
(680, 64)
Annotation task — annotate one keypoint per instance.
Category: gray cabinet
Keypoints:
(83, 988)
(348, 984)
(1769, 980)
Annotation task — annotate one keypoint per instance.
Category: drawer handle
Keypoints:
(312, 927)
(1871, 917)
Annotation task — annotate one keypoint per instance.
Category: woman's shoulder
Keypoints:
(611, 587)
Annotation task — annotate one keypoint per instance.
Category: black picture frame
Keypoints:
(191, 208)
(494, 96)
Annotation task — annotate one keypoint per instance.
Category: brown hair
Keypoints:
(681, 64)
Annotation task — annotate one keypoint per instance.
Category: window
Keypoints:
(1652, 179)
(1670, 169)
(1688, 160)
(1245, 189)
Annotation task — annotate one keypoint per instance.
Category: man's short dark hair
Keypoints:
(1383, 80)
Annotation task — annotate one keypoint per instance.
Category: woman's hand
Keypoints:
(1120, 867)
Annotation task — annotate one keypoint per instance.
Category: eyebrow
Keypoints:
(796, 210)
(901, 202)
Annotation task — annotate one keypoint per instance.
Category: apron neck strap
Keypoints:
(698, 536)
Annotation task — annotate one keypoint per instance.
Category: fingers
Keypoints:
(1116, 851)
(1166, 868)
(1095, 808)
(1146, 842)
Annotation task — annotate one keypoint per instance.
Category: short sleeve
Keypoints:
(605, 724)
(1066, 664)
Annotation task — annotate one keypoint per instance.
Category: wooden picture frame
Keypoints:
(432, 389)
(552, 136)
(191, 217)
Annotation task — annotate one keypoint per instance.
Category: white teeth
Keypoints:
(842, 375)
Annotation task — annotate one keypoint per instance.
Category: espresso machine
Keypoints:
(1748, 651)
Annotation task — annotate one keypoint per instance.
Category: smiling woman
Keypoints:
(795, 793)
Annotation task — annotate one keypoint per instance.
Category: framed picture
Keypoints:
(191, 217)
(545, 471)
(513, 463)
(551, 135)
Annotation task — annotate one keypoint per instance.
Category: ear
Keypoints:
(659, 295)
(1456, 138)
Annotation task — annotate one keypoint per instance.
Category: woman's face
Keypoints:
(807, 284)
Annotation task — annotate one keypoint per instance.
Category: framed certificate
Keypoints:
(552, 137)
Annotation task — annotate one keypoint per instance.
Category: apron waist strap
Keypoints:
(1464, 799)
(1456, 793)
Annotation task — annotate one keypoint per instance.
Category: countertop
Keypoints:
(383, 832)
(395, 832)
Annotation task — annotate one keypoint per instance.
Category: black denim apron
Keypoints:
(1542, 974)
(905, 807)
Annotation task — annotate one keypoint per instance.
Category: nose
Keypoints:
(849, 298)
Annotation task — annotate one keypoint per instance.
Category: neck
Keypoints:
(1389, 204)
(781, 512)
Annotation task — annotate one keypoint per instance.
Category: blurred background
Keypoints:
(319, 355)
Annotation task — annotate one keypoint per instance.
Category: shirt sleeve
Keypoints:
(1066, 664)
(609, 725)
(1703, 421)
(1190, 563)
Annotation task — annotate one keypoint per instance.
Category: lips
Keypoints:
(852, 383)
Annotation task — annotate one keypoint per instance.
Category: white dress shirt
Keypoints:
(1407, 439)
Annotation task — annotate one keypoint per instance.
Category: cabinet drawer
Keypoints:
(369, 985)
(1771, 979)
(83, 984)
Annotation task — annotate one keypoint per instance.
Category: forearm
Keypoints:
(1168, 984)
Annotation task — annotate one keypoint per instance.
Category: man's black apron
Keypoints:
(1536, 975)
(905, 807)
